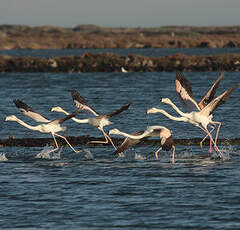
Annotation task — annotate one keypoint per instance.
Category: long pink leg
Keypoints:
(210, 139)
(57, 147)
(173, 154)
(219, 125)
(107, 138)
(76, 151)
(209, 134)
(156, 153)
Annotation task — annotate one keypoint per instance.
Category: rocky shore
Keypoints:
(109, 62)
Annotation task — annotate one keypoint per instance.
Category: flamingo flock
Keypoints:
(197, 114)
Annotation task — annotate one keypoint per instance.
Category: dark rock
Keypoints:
(83, 140)
(109, 62)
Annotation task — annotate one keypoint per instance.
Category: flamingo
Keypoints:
(52, 127)
(98, 121)
(184, 91)
(202, 118)
(152, 131)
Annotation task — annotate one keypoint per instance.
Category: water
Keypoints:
(97, 190)
(149, 52)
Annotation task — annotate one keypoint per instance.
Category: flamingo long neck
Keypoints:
(82, 121)
(26, 125)
(171, 117)
(132, 136)
(176, 109)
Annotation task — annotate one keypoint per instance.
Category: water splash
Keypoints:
(44, 154)
(186, 153)
(226, 151)
(3, 157)
(139, 157)
(88, 154)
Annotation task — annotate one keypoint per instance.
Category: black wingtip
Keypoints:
(19, 103)
(74, 93)
(126, 106)
(179, 74)
(78, 97)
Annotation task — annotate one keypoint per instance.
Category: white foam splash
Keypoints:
(3, 157)
(226, 152)
(139, 157)
(46, 155)
(88, 154)
(185, 154)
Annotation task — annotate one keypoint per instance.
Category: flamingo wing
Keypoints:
(129, 142)
(28, 111)
(67, 117)
(184, 91)
(124, 107)
(221, 99)
(211, 93)
(81, 103)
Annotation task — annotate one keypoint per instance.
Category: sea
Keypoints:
(95, 189)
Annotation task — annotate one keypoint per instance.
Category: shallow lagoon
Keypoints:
(95, 189)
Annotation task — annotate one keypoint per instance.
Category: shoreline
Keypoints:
(111, 62)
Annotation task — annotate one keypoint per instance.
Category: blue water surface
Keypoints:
(98, 190)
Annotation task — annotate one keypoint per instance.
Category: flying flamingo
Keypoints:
(98, 121)
(152, 131)
(52, 127)
(184, 91)
(202, 118)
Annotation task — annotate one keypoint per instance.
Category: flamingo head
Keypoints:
(166, 100)
(152, 110)
(11, 118)
(113, 131)
(56, 109)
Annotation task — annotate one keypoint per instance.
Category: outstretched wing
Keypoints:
(124, 107)
(28, 111)
(221, 99)
(67, 117)
(128, 142)
(184, 91)
(81, 103)
(211, 93)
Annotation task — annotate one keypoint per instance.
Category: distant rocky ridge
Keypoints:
(91, 36)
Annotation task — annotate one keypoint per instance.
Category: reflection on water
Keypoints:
(98, 190)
